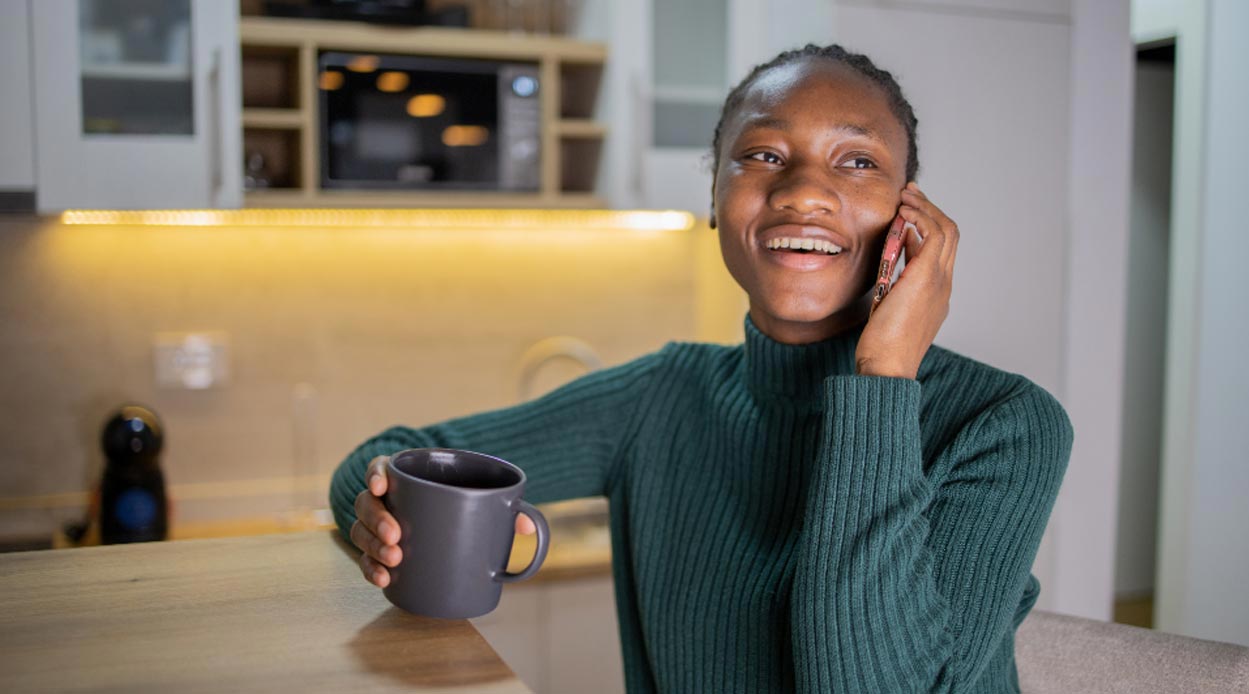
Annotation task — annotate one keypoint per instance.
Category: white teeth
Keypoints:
(805, 244)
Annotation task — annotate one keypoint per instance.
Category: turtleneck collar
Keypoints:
(778, 373)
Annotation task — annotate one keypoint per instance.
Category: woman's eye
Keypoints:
(860, 163)
(765, 157)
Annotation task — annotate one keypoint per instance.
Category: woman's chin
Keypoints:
(805, 310)
(801, 309)
(793, 317)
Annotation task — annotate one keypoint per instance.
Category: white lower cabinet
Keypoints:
(559, 636)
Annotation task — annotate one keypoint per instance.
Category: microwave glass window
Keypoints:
(390, 126)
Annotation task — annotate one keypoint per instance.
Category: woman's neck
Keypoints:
(803, 332)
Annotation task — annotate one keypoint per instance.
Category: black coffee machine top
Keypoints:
(133, 435)
(133, 504)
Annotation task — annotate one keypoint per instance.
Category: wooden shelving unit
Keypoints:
(279, 65)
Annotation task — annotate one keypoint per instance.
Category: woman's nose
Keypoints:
(805, 192)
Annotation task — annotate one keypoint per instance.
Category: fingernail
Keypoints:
(383, 529)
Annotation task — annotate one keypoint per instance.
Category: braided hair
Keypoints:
(860, 63)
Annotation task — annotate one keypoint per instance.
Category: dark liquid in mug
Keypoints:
(445, 467)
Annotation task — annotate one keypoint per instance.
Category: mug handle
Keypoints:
(544, 543)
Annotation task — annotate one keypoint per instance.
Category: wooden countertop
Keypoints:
(572, 555)
(271, 613)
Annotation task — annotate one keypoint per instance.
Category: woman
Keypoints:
(835, 505)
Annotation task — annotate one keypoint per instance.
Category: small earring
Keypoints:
(712, 220)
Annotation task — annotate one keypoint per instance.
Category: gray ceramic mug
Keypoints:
(457, 517)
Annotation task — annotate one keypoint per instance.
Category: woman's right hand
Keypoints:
(376, 532)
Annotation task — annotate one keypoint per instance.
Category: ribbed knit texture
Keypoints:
(782, 524)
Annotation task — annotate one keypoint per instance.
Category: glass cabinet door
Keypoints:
(135, 64)
(137, 104)
(682, 57)
(689, 71)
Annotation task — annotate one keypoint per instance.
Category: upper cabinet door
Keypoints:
(673, 62)
(137, 104)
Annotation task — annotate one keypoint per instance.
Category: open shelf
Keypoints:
(579, 83)
(282, 156)
(580, 129)
(578, 161)
(280, 109)
(270, 77)
(273, 118)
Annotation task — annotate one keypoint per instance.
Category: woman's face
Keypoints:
(813, 153)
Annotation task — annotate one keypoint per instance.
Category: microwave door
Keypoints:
(411, 123)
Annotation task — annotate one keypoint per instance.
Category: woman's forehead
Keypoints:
(825, 83)
(835, 93)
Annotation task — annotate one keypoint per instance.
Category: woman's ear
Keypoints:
(712, 219)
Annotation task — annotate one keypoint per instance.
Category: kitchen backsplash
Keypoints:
(332, 335)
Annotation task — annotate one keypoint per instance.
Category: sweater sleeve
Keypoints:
(567, 441)
(903, 584)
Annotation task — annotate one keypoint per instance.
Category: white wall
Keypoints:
(1204, 557)
(17, 156)
(1098, 175)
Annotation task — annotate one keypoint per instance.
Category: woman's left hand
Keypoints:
(902, 328)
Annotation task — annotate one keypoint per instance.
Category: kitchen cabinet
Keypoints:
(674, 62)
(136, 104)
(559, 635)
(17, 156)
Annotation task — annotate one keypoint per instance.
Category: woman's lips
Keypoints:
(793, 260)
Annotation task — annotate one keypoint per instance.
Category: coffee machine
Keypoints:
(133, 505)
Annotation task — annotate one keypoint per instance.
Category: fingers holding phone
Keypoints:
(939, 233)
(901, 329)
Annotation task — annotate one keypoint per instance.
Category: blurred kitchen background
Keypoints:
(283, 226)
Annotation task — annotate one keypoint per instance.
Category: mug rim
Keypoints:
(392, 466)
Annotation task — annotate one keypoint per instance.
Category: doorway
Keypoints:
(1145, 354)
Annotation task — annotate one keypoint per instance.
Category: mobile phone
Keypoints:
(889, 260)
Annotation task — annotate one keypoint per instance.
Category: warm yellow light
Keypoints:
(416, 220)
(363, 63)
(392, 81)
(330, 80)
(426, 105)
(464, 135)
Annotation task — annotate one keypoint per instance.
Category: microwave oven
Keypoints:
(403, 122)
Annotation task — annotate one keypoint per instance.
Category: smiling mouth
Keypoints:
(800, 245)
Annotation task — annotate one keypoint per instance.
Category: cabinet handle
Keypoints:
(216, 176)
(641, 135)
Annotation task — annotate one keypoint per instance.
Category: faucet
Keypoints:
(548, 349)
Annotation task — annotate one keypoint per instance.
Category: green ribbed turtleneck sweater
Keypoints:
(781, 524)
